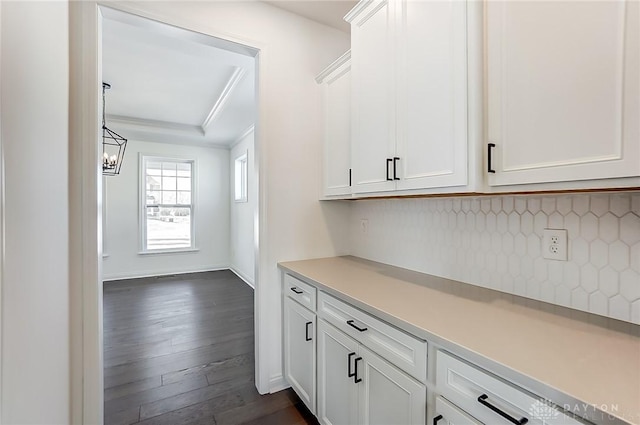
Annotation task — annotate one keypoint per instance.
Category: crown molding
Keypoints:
(358, 8)
(218, 107)
(244, 134)
(155, 126)
(334, 65)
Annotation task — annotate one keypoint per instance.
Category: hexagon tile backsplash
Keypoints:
(495, 242)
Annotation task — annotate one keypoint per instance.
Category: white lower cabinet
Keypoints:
(356, 386)
(448, 414)
(300, 351)
(490, 399)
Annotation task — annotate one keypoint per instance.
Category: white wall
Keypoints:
(242, 240)
(211, 215)
(289, 143)
(495, 242)
(34, 73)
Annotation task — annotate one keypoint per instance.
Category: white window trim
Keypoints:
(244, 157)
(142, 203)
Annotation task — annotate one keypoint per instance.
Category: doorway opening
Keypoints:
(178, 325)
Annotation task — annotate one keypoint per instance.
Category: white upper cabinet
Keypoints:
(336, 84)
(409, 95)
(431, 94)
(563, 90)
(372, 89)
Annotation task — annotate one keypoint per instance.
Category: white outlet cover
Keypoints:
(554, 244)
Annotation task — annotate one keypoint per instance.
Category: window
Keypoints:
(240, 179)
(167, 205)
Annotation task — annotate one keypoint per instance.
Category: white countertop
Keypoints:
(561, 353)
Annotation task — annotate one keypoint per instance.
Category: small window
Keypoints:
(167, 204)
(240, 180)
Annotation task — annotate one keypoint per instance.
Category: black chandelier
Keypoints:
(113, 145)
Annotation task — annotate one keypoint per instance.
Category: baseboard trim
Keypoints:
(243, 277)
(277, 383)
(125, 276)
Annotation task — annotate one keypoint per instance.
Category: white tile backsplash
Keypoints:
(495, 242)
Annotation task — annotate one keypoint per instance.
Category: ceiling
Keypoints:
(171, 85)
(327, 12)
(176, 86)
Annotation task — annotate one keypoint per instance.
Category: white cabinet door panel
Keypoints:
(432, 94)
(337, 139)
(337, 391)
(387, 395)
(373, 131)
(300, 351)
(448, 414)
(563, 90)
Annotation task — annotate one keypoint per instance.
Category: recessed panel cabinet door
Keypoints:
(563, 90)
(387, 395)
(448, 414)
(300, 351)
(373, 127)
(337, 154)
(337, 391)
(432, 94)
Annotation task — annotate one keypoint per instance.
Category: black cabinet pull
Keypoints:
(436, 419)
(355, 373)
(296, 290)
(395, 168)
(483, 400)
(387, 171)
(349, 373)
(353, 325)
(349, 176)
(489, 158)
(306, 331)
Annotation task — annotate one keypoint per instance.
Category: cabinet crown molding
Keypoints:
(357, 9)
(333, 66)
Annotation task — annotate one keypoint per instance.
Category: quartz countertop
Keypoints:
(571, 357)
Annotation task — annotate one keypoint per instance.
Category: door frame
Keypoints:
(85, 177)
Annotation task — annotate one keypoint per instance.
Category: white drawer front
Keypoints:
(483, 395)
(300, 291)
(401, 349)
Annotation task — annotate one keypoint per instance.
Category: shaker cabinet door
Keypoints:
(563, 93)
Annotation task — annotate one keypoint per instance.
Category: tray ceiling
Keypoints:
(171, 85)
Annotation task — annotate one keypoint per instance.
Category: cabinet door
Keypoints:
(337, 142)
(337, 391)
(388, 395)
(448, 414)
(432, 94)
(373, 116)
(300, 351)
(563, 90)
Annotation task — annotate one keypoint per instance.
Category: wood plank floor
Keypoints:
(180, 350)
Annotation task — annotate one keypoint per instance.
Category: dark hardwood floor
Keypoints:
(179, 350)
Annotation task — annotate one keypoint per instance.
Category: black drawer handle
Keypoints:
(483, 400)
(296, 290)
(353, 325)
(395, 168)
(355, 374)
(349, 373)
(306, 331)
(389, 160)
(489, 158)
(436, 419)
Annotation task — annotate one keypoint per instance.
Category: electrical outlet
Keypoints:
(554, 244)
(364, 225)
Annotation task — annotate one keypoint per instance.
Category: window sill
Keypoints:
(105, 256)
(169, 251)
